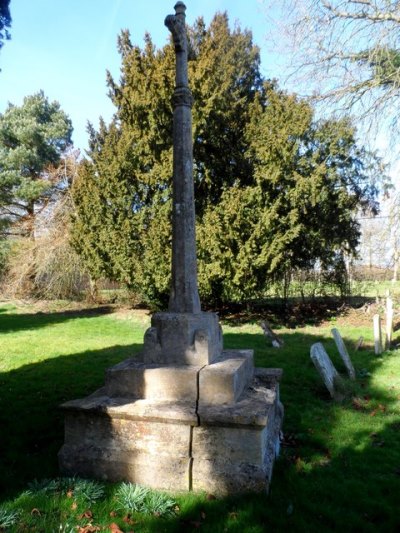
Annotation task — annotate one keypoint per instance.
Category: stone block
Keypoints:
(235, 444)
(225, 380)
(180, 413)
(105, 446)
(183, 339)
(254, 408)
(226, 477)
(132, 379)
(140, 435)
(109, 464)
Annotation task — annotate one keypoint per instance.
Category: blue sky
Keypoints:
(65, 46)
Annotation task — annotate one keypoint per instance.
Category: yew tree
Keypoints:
(274, 189)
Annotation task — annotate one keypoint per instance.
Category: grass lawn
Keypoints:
(340, 463)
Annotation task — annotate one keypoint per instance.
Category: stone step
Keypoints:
(227, 448)
(224, 381)
(218, 383)
(152, 381)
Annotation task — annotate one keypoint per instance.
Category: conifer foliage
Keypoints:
(33, 137)
(275, 190)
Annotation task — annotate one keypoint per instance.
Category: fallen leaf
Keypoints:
(74, 506)
(87, 514)
(358, 404)
(114, 528)
(70, 493)
(113, 514)
(233, 516)
(127, 519)
(203, 515)
(36, 512)
(90, 529)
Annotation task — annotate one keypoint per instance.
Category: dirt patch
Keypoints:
(127, 313)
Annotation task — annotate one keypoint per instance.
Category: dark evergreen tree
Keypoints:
(274, 190)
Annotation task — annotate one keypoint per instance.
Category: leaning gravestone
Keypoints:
(326, 370)
(186, 415)
(344, 354)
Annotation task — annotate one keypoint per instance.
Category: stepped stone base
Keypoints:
(172, 445)
(161, 421)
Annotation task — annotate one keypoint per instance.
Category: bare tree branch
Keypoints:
(343, 54)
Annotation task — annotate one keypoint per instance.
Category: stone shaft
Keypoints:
(184, 296)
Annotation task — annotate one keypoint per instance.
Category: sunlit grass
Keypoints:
(340, 463)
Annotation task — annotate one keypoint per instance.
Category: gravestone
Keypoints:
(186, 414)
(389, 322)
(344, 354)
(377, 334)
(326, 370)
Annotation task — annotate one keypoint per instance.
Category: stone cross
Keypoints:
(184, 297)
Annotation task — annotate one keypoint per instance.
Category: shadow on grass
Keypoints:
(25, 321)
(292, 313)
(339, 468)
(353, 490)
(30, 419)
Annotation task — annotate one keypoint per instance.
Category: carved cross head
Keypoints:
(176, 25)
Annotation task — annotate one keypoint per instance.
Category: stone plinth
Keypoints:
(183, 339)
(176, 445)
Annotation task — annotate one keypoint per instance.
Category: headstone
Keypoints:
(275, 340)
(377, 334)
(325, 368)
(185, 414)
(389, 322)
(359, 344)
(344, 354)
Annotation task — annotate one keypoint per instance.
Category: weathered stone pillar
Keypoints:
(184, 296)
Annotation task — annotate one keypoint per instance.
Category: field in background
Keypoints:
(340, 463)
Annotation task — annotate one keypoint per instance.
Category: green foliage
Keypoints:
(137, 499)
(85, 489)
(8, 517)
(275, 191)
(33, 137)
(131, 497)
(384, 63)
(90, 491)
(5, 20)
(4, 254)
